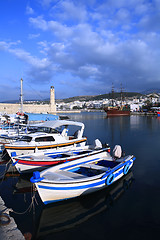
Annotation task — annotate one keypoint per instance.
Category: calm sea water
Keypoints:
(128, 209)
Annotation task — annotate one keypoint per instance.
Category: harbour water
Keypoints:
(128, 209)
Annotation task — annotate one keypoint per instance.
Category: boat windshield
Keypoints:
(26, 138)
(47, 130)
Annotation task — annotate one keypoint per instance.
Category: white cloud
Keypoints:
(69, 11)
(95, 42)
(45, 3)
(123, 15)
(56, 28)
(33, 36)
(29, 10)
(115, 54)
(39, 22)
(37, 66)
(59, 29)
(6, 45)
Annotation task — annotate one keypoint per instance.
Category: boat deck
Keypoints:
(49, 156)
(84, 171)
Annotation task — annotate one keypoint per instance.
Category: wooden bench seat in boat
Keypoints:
(62, 175)
(94, 166)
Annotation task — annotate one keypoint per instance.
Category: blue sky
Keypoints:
(79, 47)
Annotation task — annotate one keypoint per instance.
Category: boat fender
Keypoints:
(98, 144)
(117, 151)
(110, 179)
(13, 154)
(126, 168)
(36, 177)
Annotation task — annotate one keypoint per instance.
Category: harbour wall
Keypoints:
(8, 227)
(30, 108)
(11, 108)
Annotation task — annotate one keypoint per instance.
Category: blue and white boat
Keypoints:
(79, 177)
(44, 159)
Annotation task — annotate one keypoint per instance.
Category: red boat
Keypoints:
(118, 111)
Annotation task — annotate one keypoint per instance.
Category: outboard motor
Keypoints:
(117, 151)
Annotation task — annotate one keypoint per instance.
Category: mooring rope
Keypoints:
(4, 216)
(33, 199)
(5, 170)
(4, 154)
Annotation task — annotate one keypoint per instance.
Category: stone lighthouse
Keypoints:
(52, 100)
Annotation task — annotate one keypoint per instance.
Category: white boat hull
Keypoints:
(61, 190)
(32, 149)
(39, 161)
(49, 135)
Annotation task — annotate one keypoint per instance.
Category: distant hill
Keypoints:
(99, 97)
(153, 90)
(10, 101)
(117, 95)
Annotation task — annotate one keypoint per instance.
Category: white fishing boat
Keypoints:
(58, 134)
(40, 160)
(79, 177)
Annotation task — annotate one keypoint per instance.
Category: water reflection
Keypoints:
(42, 221)
(128, 131)
(68, 214)
(23, 185)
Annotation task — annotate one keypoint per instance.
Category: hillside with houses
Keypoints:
(137, 101)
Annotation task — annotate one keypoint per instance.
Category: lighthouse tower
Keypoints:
(52, 100)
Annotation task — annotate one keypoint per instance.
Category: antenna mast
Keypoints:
(21, 95)
(112, 95)
(121, 95)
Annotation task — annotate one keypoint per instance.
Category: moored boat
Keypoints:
(50, 135)
(115, 109)
(118, 111)
(10, 134)
(39, 161)
(80, 177)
